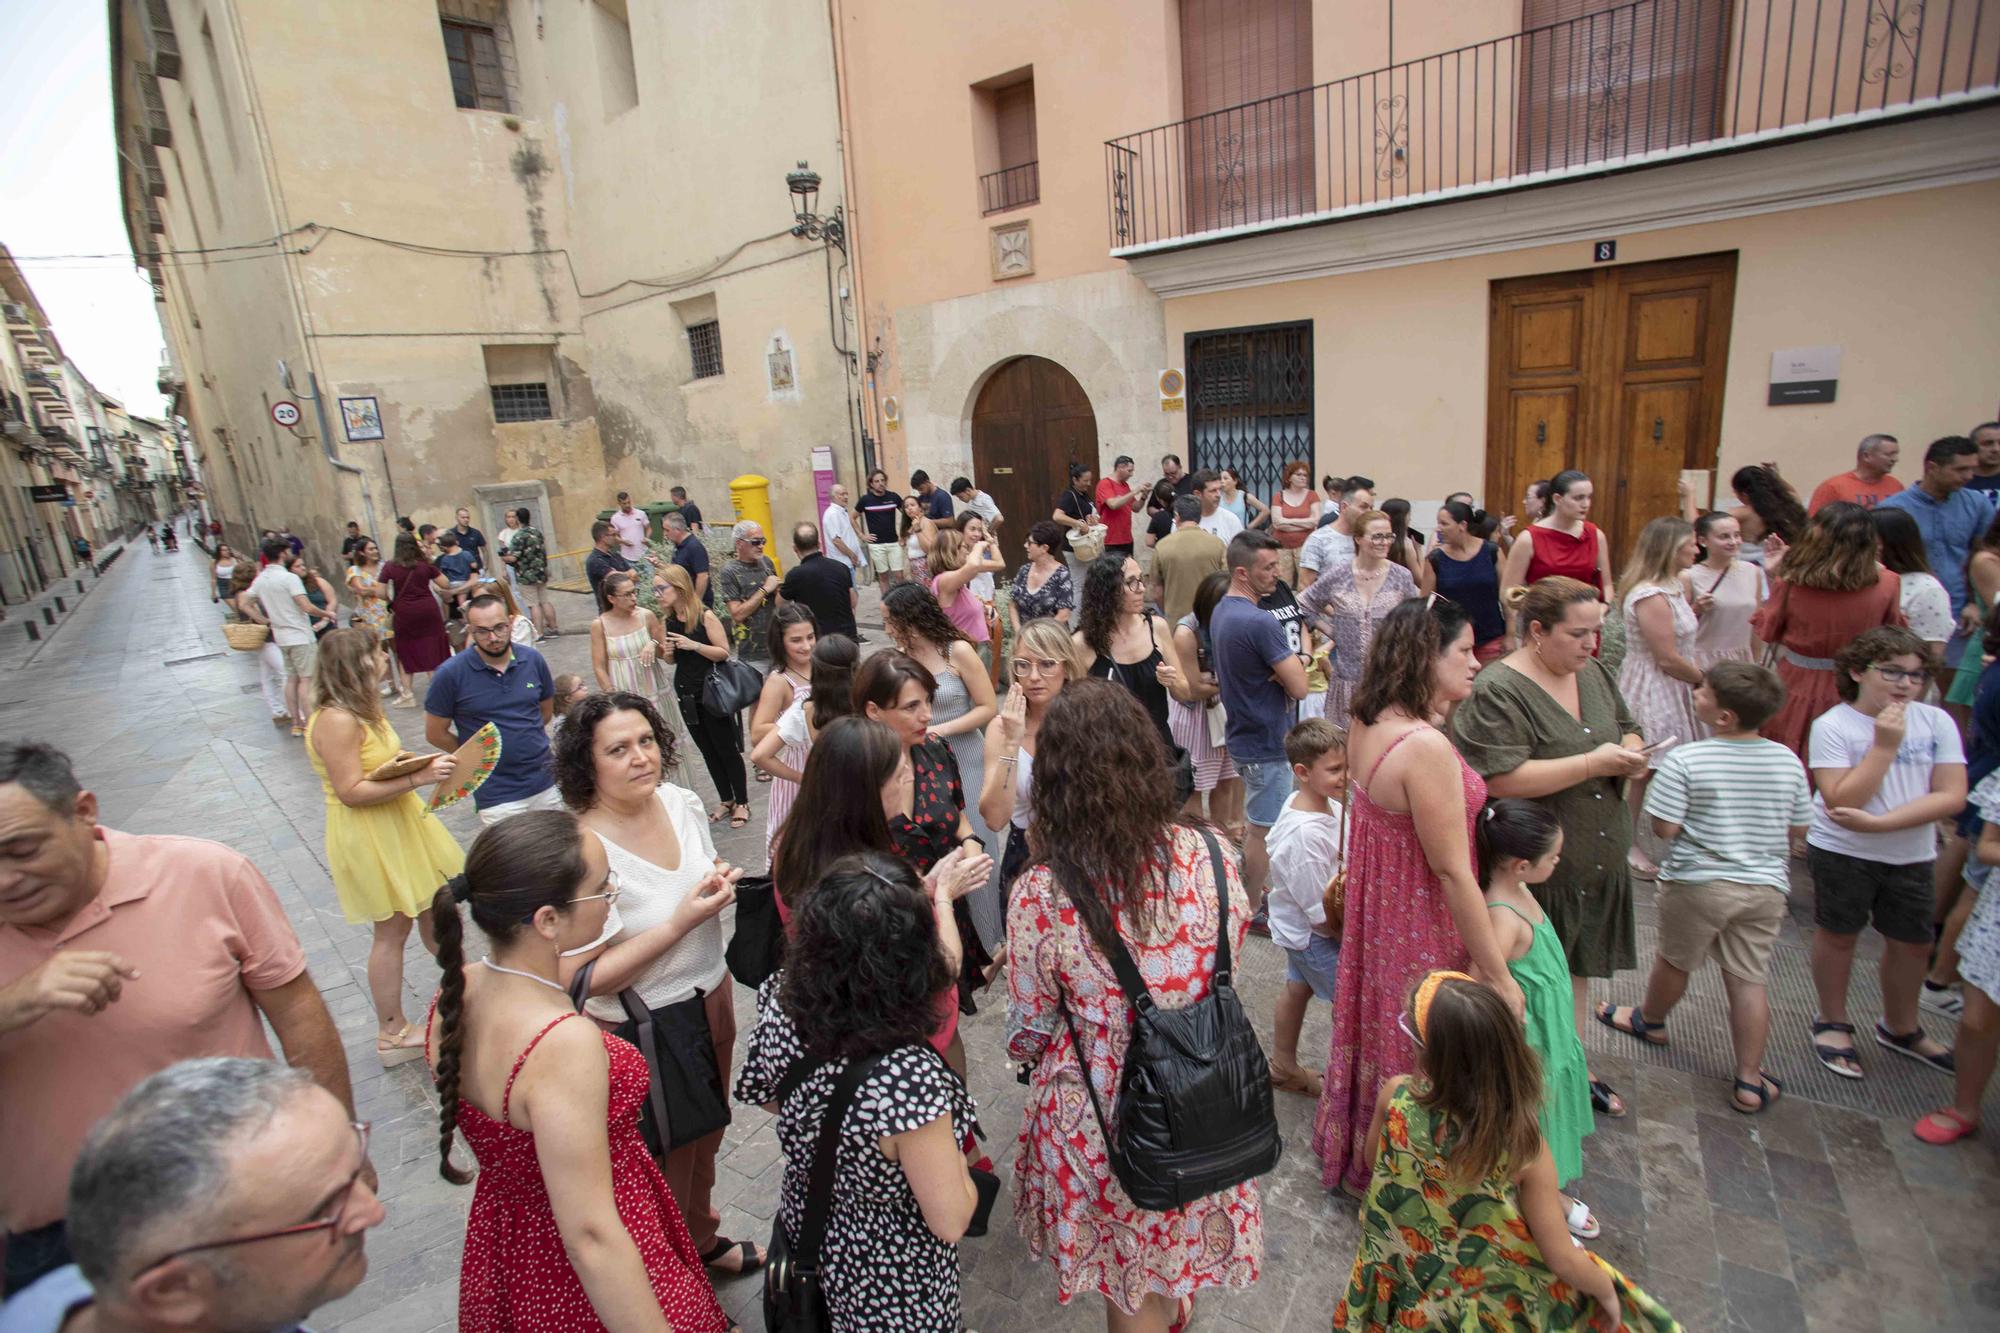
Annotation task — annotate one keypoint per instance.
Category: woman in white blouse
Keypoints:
(663, 936)
(1724, 591)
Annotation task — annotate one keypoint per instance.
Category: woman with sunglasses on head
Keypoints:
(664, 938)
(572, 1225)
(1124, 641)
(1045, 660)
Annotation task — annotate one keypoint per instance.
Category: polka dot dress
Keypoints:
(884, 1269)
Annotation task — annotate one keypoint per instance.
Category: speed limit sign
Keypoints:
(285, 413)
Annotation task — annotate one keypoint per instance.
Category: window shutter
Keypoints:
(1014, 117)
(1600, 79)
(1248, 146)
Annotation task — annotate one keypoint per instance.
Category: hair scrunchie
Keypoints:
(461, 888)
(1426, 992)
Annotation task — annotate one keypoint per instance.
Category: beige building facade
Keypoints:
(492, 253)
(1444, 245)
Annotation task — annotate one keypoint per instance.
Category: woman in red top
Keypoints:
(1295, 513)
(1831, 588)
(1562, 542)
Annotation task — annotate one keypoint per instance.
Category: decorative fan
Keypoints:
(404, 764)
(472, 763)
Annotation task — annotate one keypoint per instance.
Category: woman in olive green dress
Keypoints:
(1547, 722)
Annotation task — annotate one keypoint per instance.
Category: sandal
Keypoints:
(1944, 1127)
(1908, 1044)
(1640, 867)
(1767, 1089)
(1299, 1080)
(399, 1050)
(1583, 1223)
(720, 813)
(1604, 1099)
(1636, 1024)
(762, 776)
(740, 817)
(1830, 1055)
(1183, 1316)
(751, 1261)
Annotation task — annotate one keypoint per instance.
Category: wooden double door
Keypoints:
(1615, 371)
(1029, 423)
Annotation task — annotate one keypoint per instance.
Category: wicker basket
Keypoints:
(246, 636)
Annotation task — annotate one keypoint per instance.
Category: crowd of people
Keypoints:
(1435, 769)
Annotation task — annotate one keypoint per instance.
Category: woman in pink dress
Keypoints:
(572, 1227)
(1413, 898)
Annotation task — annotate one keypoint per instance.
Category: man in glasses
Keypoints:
(749, 584)
(493, 679)
(220, 1194)
(119, 955)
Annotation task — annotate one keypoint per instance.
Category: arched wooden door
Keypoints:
(1030, 422)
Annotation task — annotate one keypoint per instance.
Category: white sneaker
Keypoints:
(1945, 1000)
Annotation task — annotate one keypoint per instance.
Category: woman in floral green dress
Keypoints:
(1456, 1233)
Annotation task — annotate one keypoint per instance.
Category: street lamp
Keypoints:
(803, 183)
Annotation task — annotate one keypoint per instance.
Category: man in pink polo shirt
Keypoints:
(121, 955)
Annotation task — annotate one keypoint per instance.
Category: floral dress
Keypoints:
(1664, 706)
(1435, 1255)
(371, 613)
(1067, 1203)
(1336, 609)
(1979, 943)
(883, 1268)
(1058, 594)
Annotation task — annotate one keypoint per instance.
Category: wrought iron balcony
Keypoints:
(1011, 187)
(1631, 85)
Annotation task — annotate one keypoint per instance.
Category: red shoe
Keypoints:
(1944, 1127)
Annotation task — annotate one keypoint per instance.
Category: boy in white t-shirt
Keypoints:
(1887, 769)
(1305, 849)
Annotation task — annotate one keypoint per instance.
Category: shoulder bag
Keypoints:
(1194, 1103)
(794, 1296)
(685, 1099)
(245, 636)
(732, 686)
(757, 948)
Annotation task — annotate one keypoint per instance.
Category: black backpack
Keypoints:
(1194, 1104)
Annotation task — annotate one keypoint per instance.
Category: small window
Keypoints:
(521, 402)
(473, 53)
(1004, 142)
(705, 346)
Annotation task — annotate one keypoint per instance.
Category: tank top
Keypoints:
(1559, 553)
(965, 612)
(1293, 538)
(1139, 678)
(1475, 585)
(1238, 507)
(1024, 774)
(690, 669)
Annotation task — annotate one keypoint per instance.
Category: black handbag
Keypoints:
(794, 1298)
(685, 1099)
(1194, 1105)
(757, 949)
(732, 686)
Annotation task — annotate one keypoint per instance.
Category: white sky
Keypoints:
(59, 195)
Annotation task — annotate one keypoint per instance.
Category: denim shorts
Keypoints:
(1315, 965)
(1266, 785)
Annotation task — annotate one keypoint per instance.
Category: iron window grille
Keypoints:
(1250, 401)
(521, 402)
(705, 347)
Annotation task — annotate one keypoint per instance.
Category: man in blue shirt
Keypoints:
(508, 684)
(470, 539)
(690, 555)
(937, 504)
(1952, 519)
(1261, 676)
(274, 1176)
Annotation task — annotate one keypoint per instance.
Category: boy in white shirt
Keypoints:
(1887, 769)
(1730, 807)
(1305, 850)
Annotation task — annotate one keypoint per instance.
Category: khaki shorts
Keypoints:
(300, 658)
(1737, 923)
(886, 557)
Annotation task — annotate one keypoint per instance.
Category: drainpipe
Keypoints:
(326, 443)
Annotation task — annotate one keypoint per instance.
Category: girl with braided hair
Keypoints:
(572, 1226)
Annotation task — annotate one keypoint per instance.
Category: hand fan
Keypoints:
(404, 764)
(473, 762)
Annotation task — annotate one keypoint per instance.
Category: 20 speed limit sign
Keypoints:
(285, 413)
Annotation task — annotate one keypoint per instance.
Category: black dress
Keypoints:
(1142, 679)
(926, 836)
(714, 736)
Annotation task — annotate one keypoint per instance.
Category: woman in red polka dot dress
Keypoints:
(572, 1226)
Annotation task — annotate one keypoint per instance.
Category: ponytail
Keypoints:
(1512, 828)
(449, 933)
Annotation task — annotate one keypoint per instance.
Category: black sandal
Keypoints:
(1765, 1095)
(1635, 1026)
(1827, 1053)
(752, 1261)
(1604, 1098)
(1907, 1044)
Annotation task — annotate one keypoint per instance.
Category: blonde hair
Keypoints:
(498, 588)
(1047, 638)
(947, 550)
(345, 676)
(566, 685)
(1546, 602)
(1652, 558)
(681, 600)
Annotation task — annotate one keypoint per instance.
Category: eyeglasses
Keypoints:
(612, 888)
(1037, 666)
(1136, 585)
(1377, 536)
(493, 631)
(1898, 676)
(337, 1204)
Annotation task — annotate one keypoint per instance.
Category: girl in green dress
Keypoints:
(1463, 1224)
(1519, 844)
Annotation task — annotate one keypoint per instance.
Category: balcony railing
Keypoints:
(1011, 187)
(1633, 84)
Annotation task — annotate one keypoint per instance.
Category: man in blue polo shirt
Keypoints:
(508, 684)
(1952, 519)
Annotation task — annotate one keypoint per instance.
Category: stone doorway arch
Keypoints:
(1030, 421)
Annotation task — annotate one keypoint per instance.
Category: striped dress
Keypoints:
(798, 743)
(1189, 727)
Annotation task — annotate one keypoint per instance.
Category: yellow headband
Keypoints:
(1427, 991)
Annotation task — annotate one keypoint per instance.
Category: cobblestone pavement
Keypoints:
(1824, 1213)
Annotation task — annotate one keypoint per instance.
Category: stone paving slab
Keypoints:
(1822, 1214)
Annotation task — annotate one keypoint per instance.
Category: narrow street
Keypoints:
(1824, 1213)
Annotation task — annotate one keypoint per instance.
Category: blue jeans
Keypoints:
(1265, 787)
(1315, 965)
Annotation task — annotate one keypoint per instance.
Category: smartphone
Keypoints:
(1661, 744)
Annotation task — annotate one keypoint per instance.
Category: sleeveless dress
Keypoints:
(1724, 634)
(1543, 977)
(1965, 681)
(386, 859)
(1139, 678)
(516, 1276)
(1437, 1255)
(1475, 585)
(1664, 706)
(798, 742)
(1189, 726)
(1292, 538)
(966, 612)
(420, 640)
(631, 666)
(1559, 553)
(1398, 928)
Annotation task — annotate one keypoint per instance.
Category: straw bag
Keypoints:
(1087, 545)
(245, 636)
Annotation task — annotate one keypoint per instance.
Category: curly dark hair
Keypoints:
(839, 805)
(863, 969)
(1103, 601)
(1401, 671)
(575, 762)
(915, 611)
(1104, 802)
(1771, 500)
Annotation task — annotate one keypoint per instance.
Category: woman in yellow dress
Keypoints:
(388, 853)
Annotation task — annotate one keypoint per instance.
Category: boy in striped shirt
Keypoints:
(1733, 808)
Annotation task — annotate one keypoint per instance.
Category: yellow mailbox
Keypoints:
(750, 494)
